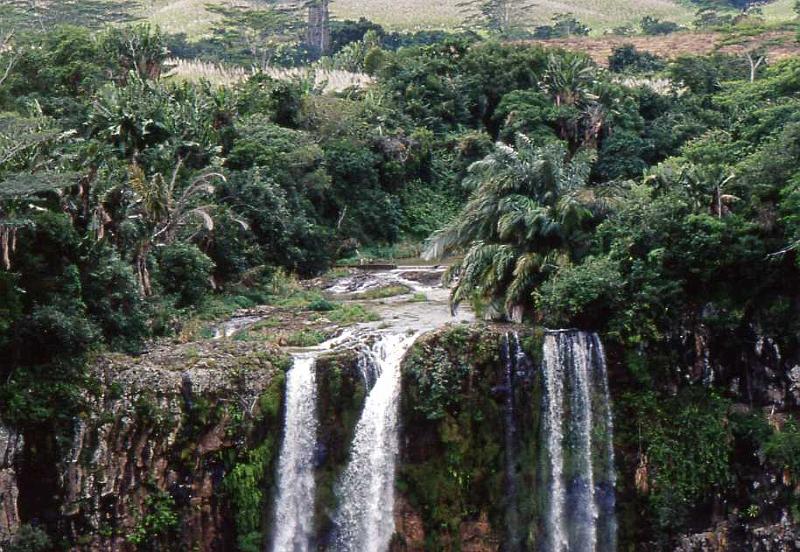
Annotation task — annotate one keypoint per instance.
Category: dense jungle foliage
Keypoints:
(578, 196)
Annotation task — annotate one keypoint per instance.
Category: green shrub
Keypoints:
(628, 58)
(374, 60)
(158, 523)
(184, 271)
(688, 442)
(50, 331)
(248, 483)
(783, 447)
(563, 25)
(305, 338)
(113, 301)
(30, 539)
(655, 26)
(321, 305)
(580, 295)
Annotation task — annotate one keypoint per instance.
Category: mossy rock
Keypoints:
(453, 467)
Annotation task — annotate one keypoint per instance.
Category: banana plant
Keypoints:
(165, 211)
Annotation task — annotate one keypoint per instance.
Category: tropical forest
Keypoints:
(360, 276)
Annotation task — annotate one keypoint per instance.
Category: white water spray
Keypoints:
(553, 369)
(580, 506)
(365, 520)
(295, 505)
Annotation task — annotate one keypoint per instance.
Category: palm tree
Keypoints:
(163, 210)
(526, 217)
(571, 80)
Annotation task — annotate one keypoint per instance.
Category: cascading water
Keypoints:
(515, 364)
(295, 505)
(578, 435)
(606, 495)
(365, 520)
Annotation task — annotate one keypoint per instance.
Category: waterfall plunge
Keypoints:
(295, 504)
(365, 520)
(578, 437)
(516, 370)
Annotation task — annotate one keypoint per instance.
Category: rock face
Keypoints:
(761, 377)
(10, 447)
(779, 537)
(149, 461)
(152, 444)
(453, 474)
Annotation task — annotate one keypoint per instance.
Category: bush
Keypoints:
(321, 305)
(184, 271)
(281, 220)
(563, 25)
(622, 156)
(349, 31)
(426, 208)
(654, 26)
(374, 61)
(113, 300)
(280, 100)
(581, 295)
(688, 444)
(783, 447)
(50, 332)
(628, 58)
(30, 539)
(158, 524)
(529, 112)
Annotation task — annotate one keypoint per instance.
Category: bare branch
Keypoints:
(5, 46)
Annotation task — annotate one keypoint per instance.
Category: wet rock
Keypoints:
(709, 541)
(477, 536)
(10, 446)
(159, 423)
(409, 528)
(793, 376)
(778, 537)
(431, 277)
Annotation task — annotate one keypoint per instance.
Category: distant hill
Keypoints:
(191, 17)
(778, 44)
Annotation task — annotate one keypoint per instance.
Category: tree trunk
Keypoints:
(318, 34)
(755, 63)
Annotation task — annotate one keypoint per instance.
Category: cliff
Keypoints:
(177, 448)
(148, 461)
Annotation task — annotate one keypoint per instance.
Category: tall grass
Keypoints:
(327, 80)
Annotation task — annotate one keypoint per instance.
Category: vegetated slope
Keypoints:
(191, 17)
(778, 44)
(600, 15)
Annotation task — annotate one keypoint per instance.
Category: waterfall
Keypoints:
(295, 505)
(514, 363)
(606, 498)
(578, 435)
(365, 520)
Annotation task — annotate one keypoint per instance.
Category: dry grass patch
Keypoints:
(191, 17)
(324, 79)
(779, 44)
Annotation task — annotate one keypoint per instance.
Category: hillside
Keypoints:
(190, 16)
(778, 44)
